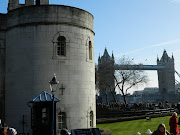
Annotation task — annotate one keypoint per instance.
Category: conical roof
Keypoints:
(106, 53)
(165, 54)
(44, 97)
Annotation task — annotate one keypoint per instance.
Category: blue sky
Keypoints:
(138, 29)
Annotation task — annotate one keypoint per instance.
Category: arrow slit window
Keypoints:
(91, 119)
(90, 50)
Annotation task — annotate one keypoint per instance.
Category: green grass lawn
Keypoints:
(134, 126)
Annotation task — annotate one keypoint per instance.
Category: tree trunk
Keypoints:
(124, 97)
(114, 97)
(107, 98)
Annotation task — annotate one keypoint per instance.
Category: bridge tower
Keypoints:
(166, 76)
(106, 79)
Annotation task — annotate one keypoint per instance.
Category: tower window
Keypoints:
(91, 119)
(61, 120)
(61, 46)
(90, 50)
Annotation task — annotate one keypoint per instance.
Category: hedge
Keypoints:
(120, 119)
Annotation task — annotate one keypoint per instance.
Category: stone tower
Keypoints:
(166, 76)
(106, 80)
(36, 42)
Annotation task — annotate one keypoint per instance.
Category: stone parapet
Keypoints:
(50, 14)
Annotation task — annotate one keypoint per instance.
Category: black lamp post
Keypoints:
(53, 85)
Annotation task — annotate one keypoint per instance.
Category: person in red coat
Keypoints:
(173, 123)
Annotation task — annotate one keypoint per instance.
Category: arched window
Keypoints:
(61, 46)
(91, 118)
(90, 50)
(61, 120)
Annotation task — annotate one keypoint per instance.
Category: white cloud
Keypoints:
(151, 46)
(176, 1)
(166, 43)
(134, 51)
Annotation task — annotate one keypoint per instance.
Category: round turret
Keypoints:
(43, 40)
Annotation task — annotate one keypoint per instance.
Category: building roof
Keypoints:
(44, 97)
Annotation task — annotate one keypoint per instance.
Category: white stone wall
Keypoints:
(30, 65)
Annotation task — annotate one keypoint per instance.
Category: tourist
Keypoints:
(173, 123)
(5, 127)
(3, 131)
(161, 130)
(8, 130)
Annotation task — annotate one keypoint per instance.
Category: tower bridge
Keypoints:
(165, 70)
(144, 67)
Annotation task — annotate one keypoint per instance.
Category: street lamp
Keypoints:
(53, 86)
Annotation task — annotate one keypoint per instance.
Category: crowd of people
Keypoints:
(139, 106)
(173, 123)
(161, 130)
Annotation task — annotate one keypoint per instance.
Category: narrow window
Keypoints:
(91, 119)
(90, 50)
(61, 120)
(61, 46)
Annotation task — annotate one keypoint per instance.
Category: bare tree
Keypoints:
(109, 79)
(127, 79)
(105, 79)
